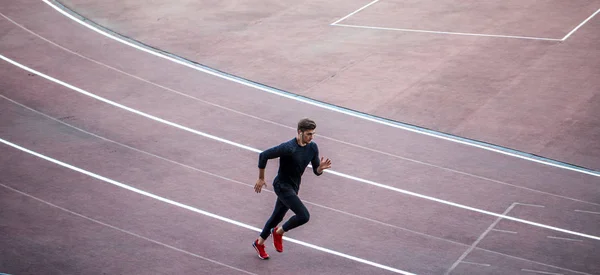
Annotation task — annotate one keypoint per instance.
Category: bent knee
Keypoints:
(304, 218)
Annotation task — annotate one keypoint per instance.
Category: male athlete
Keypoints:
(294, 156)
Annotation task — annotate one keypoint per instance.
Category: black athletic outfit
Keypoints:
(293, 160)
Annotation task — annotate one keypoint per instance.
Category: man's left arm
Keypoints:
(319, 164)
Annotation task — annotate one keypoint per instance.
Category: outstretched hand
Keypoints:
(259, 185)
(325, 164)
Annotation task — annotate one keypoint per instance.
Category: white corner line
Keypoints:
(540, 272)
(580, 25)
(123, 230)
(406, 192)
(589, 212)
(199, 211)
(444, 32)
(353, 13)
(319, 104)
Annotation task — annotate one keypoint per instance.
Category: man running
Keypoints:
(294, 156)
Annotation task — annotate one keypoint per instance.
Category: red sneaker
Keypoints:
(277, 240)
(260, 249)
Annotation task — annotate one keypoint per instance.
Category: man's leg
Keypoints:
(276, 217)
(293, 202)
(301, 216)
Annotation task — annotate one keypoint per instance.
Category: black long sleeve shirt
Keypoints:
(293, 160)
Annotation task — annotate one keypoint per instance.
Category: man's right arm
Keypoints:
(271, 153)
(263, 157)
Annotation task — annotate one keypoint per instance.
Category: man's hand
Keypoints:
(259, 185)
(325, 164)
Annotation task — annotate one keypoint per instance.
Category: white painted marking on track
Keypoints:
(286, 126)
(589, 212)
(465, 262)
(564, 239)
(504, 231)
(464, 255)
(580, 25)
(199, 211)
(453, 33)
(540, 272)
(533, 262)
(456, 33)
(123, 230)
(258, 151)
(354, 12)
(318, 104)
(532, 205)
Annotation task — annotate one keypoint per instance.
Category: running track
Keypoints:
(115, 161)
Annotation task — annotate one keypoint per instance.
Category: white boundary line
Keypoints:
(579, 26)
(318, 104)
(199, 211)
(353, 13)
(286, 126)
(123, 230)
(455, 33)
(258, 151)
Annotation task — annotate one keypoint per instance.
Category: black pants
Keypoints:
(287, 198)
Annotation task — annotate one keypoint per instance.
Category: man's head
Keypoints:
(306, 131)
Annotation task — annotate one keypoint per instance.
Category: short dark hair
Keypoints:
(306, 124)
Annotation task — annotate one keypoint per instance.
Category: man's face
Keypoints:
(307, 136)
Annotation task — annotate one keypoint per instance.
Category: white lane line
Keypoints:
(540, 272)
(464, 255)
(579, 26)
(472, 263)
(589, 212)
(565, 239)
(123, 230)
(504, 231)
(355, 12)
(453, 33)
(320, 104)
(258, 151)
(286, 126)
(226, 178)
(127, 108)
(199, 211)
